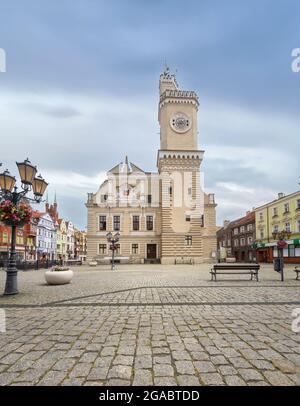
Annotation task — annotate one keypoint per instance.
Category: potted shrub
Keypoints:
(59, 275)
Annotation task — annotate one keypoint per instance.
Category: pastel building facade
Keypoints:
(282, 214)
(46, 238)
(162, 216)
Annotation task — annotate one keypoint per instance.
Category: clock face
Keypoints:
(180, 123)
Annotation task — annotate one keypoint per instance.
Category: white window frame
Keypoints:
(138, 248)
(287, 227)
(153, 217)
(106, 249)
(286, 207)
(102, 215)
(131, 221)
(121, 221)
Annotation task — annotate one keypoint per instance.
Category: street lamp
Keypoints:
(15, 212)
(113, 241)
(281, 237)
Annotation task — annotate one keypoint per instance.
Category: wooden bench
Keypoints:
(234, 269)
(297, 270)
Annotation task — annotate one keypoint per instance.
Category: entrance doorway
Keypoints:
(151, 251)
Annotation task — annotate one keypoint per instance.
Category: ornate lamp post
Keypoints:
(113, 240)
(281, 237)
(15, 210)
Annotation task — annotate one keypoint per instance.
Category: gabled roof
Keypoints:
(250, 217)
(125, 167)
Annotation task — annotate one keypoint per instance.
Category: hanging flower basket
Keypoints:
(13, 215)
(281, 244)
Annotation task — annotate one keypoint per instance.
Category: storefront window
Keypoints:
(291, 250)
(288, 252)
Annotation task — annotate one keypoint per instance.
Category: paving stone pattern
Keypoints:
(150, 326)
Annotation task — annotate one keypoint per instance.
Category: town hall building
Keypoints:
(163, 216)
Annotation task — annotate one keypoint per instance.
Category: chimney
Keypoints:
(280, 195)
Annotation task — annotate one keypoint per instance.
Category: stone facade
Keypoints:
(163, 216)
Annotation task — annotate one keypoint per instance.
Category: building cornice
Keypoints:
(179, 154)
(278, 200)
(178, 96)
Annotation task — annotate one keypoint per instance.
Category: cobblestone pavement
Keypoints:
(151, 326)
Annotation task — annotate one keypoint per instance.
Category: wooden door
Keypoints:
(151, 251)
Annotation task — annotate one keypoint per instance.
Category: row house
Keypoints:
(30, 234)
(5, 241)
(236, 239)
(46, 237)
(279, 215)
(80, 245)
(243, 238)
(65, 233)
(61, 247)
(70, 239)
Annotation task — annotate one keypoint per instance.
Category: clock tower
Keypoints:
(177, 115)
(188, 214)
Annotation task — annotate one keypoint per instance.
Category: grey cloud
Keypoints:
(56, 111)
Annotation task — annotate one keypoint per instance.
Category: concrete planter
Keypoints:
(59, 277)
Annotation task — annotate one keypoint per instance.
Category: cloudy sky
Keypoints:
(81, 91)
